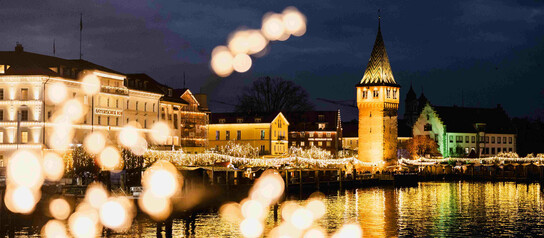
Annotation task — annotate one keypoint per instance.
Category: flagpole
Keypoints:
(80, 30)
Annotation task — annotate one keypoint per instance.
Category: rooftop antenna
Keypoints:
(80, 30)
(54, 50)
(379, 18)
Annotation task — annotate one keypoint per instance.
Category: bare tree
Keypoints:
(421, 146)
(273, 95)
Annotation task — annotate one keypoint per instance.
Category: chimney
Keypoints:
(19, 48)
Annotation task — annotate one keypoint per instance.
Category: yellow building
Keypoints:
(377, 101)
(266, 132)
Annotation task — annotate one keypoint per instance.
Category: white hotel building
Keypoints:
(24, 78)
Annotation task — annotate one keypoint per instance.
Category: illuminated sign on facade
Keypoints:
(108, 112)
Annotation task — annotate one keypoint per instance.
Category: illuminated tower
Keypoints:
(378, 100)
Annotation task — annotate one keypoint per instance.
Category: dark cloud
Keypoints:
(486, 50)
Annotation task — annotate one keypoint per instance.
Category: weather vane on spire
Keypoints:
(379, 18)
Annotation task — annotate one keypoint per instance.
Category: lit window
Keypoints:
(1, 93)
(1, 115)
(24, 115)
(509, 140)
(493, 139)
(302, 143)
(227, 135)
(239, 120)
(320, 143)
(136, 106)
(238, 135)
(504, 140)
(376, 93)
(328, 144)
(1, 137)
(145, 107)
(117, 121)
(217, 134)
(24, 94)
(258, 119)
(222, 120)
(99, 120)
(473, 139)
(262, 134)
(467, 139)
(328, 134)
(428, 127)
(24, 137)
(365, 94)
(108, 120)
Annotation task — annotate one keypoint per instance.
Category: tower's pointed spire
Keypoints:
(378, 70)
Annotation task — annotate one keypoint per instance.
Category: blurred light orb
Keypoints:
(113, 214)
(110, 158)
(302, 218)
(54, 229)
(59, 209)
(53, 166)
(96, 195)
(294, 21)
(270, 186)
(316, 207)
(56, 92)
(128, 136)
(160, 132)
(221, 62)
(140, 147)
(231, 212)
(251, 228)
(314, 233)
(73, 109)
(257, 41)
(239, 43)
(253, 209)
(82, 225)
(348, 231)
(162, 183)
(25, 169)
(90, 84)
(94, 143)
(23, 200)
(241, 63)
(272, 26)
(157, 208)
(287, 209)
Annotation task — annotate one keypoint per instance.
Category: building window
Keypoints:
(262, 134)
(311, 143)
(376, 93)
(136, 106)
(145, 107)
(1, 94)
(1, 137)
(328, 144)
(321, 117)
(302, 143)
(365, 94)
(99, 120)
(492, 151)
(473, 139)
(458, 139)
(227, 135)
(467, 139)
(321, 126)
(24, 94)
(394, 94)
(510, 149)
(293, 143)
(451, 139)
(294, 135)
(498, 150)
(127, 104)
(117, 121)
(116, 103)
(258, 119)
(428, 127)
(320, 143)
(1, 115)
(509, 140)
(24, 115)
(311, 134)
(238, 135)
(108, 120)
(222, 120)
(24, 137)
(153, 107)
(239, 120)
(388, 93)
(493, 139)
(328, 134)
(145, 123)
(217, 134)
(175, 121)
(487, 139)
(504, 140)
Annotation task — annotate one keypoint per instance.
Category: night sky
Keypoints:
(486, 52)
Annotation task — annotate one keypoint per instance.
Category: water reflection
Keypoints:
(432, 209)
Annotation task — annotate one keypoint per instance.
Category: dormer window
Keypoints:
(169, 92)
(222, 120)
(388, 93)
(365, 94)
(239, 120)
(321, 126)
(394, 94)
(321, 117)
(376, 93)
(258, 119)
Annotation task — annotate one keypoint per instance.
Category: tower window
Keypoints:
(388, 93)
(394, 94)
(428, 127)
(365, 94)
(376, 93)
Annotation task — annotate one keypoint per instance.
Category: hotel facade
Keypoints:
(27, 113)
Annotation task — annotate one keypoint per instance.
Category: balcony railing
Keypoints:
(114, 90)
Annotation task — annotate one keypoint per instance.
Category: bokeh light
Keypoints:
(110, 158)
(162, 179)
(272, 26)
(116, 213)
(21, 200)
(241, 63)
(231, 212)
(160, 132)
(253, 209)
(84, 223)
(129, 135)
(257, 41)
(315, 233)
(251, 227)
(90, 83)
(25, 169)
(95, 142)
(221, 62)
(73, 109)
(316, 207)
(301, 218)
(54, 229)
(157, 208)
(59, 208)
(56, 92)
(294, 21)
(53, 166)
(96, 195)
(348, 231)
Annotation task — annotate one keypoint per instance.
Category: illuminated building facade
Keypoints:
(266, 132)
(377, 101)
(186, 115)
(467, 132)
(322, 129)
